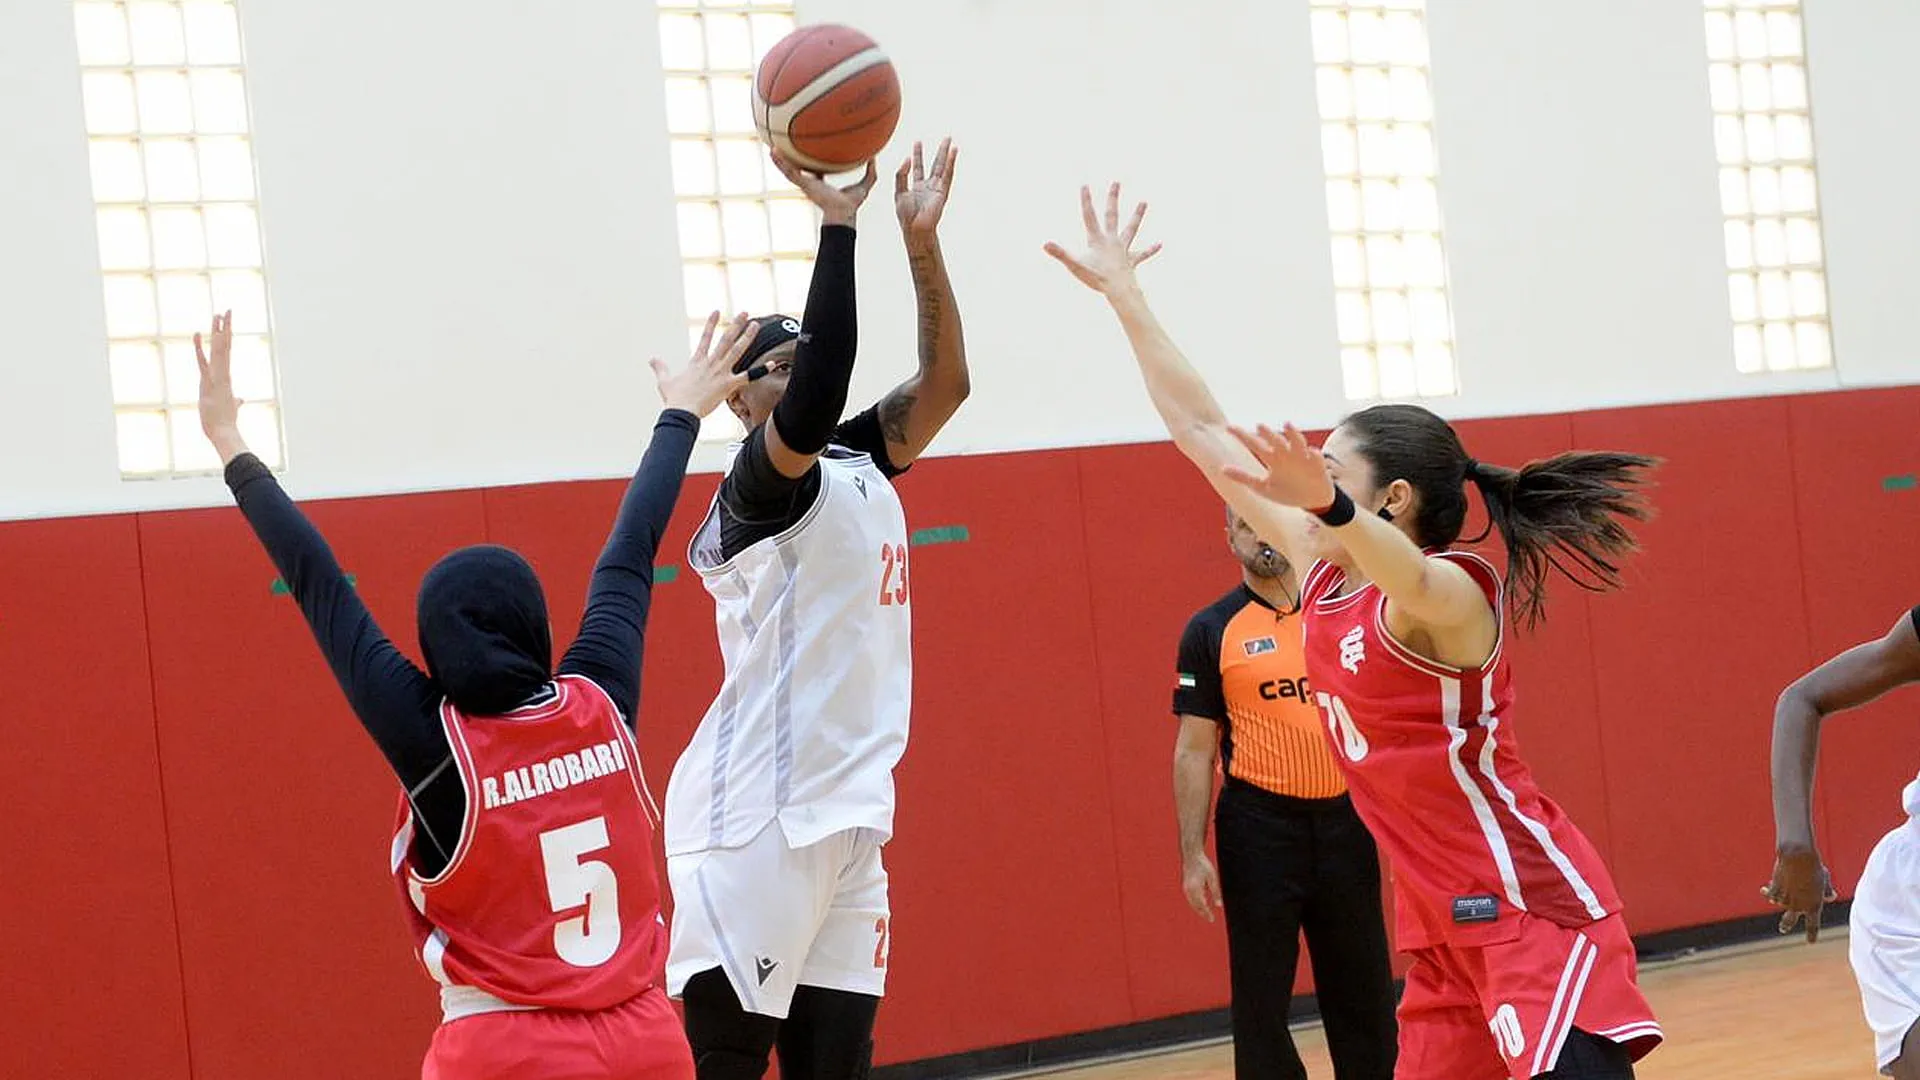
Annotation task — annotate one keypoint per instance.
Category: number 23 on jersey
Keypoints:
(893, 575)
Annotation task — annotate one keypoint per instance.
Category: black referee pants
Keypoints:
(1289, 866)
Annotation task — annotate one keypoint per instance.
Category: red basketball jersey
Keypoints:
(1435, 773)
(550, 899)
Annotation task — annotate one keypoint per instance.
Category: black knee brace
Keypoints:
(729, 1043)
(828, 1035)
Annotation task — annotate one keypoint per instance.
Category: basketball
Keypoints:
(826, 97)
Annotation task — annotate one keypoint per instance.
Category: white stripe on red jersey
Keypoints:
(1435, 772)
(550, 899)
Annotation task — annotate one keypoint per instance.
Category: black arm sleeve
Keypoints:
(863, 434)
(756, 500)
(816, 396)
(395, 701)
(613, 630)
(1198, 691)
(754, 491)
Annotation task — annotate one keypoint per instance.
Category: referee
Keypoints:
(1293, 854)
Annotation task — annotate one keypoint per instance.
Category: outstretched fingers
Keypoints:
(1260, 444)
(943, 160)
(1073, 265)
(738, 339)
(1133, 224)
(1245, 478)
(865, 185)
(706, 335)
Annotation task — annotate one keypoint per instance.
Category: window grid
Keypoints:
(178, 219)
(747, 235)
(1763, 135)
(1383, 207)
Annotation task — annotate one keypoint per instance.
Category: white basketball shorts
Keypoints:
(776, 918)
(1883, 940)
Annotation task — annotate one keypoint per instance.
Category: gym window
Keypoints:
(178, 217)
(747, 236)
(1383, 205)
(1763, 134)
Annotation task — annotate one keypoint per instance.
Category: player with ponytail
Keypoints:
(1522, 964)
(1560, 513)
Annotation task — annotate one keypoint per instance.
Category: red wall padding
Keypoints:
(88, 942)
(176, 705)
(1690, 656)
(1155, 538)
(1005, 858)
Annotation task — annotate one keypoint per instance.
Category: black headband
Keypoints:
(775, 331)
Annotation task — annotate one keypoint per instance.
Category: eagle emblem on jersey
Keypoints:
(1353, 649)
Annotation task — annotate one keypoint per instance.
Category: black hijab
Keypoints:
(484, 631)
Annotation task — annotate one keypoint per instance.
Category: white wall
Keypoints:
(471, 246)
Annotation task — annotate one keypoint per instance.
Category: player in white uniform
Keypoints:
(778, 809)
(1884, 935)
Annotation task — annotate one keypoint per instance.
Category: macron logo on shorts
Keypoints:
(765, 967)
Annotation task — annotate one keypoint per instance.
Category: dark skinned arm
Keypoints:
(1800, 882)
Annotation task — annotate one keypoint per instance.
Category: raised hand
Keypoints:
(709, 378)
(919, 196)
(1801, 886)
(1109, 261)
(838, 205)
(219, 408)
(1295, 472)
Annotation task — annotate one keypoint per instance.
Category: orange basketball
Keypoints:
(827, 98)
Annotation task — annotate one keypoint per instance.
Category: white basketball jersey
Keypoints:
(815, 633)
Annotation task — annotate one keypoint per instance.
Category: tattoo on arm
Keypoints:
(942, 357)
(923, 269)
(895, 409)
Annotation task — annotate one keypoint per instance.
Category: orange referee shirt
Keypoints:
(1242, 666)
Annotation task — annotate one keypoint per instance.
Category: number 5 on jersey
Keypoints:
(893, 576)
(592, 937)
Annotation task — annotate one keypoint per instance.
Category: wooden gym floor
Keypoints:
(1779, 1010)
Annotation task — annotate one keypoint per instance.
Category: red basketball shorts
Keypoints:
(1493, 1011)
(640, 1039)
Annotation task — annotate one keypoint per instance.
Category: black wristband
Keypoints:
(1339, 512)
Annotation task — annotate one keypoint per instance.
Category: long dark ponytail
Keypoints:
(1566, 513)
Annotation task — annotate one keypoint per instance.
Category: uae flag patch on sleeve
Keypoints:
(1188, 682)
